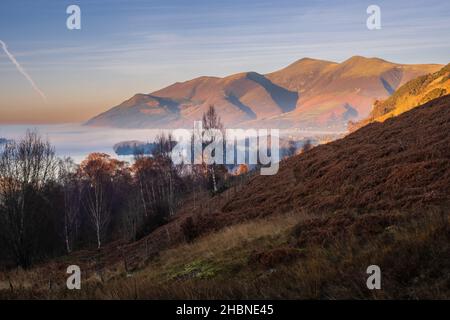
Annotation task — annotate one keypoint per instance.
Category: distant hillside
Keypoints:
(238, 98)
(410, 95)
(308, 93)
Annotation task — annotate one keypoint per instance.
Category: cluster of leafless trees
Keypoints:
(51, 206)
(27, 170)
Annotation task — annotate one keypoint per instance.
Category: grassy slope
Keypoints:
(263, 259)
(414, 93)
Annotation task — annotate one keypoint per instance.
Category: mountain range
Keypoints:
(309, 93)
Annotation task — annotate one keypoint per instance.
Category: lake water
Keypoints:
(77, 141)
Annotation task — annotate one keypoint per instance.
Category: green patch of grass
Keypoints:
(196, 269)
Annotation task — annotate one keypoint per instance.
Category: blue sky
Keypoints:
(130, 46)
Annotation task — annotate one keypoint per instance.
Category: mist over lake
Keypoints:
(77, 141)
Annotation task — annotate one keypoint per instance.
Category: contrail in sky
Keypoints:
(22, 71)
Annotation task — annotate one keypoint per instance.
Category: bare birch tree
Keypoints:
(71, 190)
(211, 120)
(98, 172)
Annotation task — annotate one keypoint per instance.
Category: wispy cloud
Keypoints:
(22, 71)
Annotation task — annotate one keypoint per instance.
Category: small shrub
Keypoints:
(189, 229)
